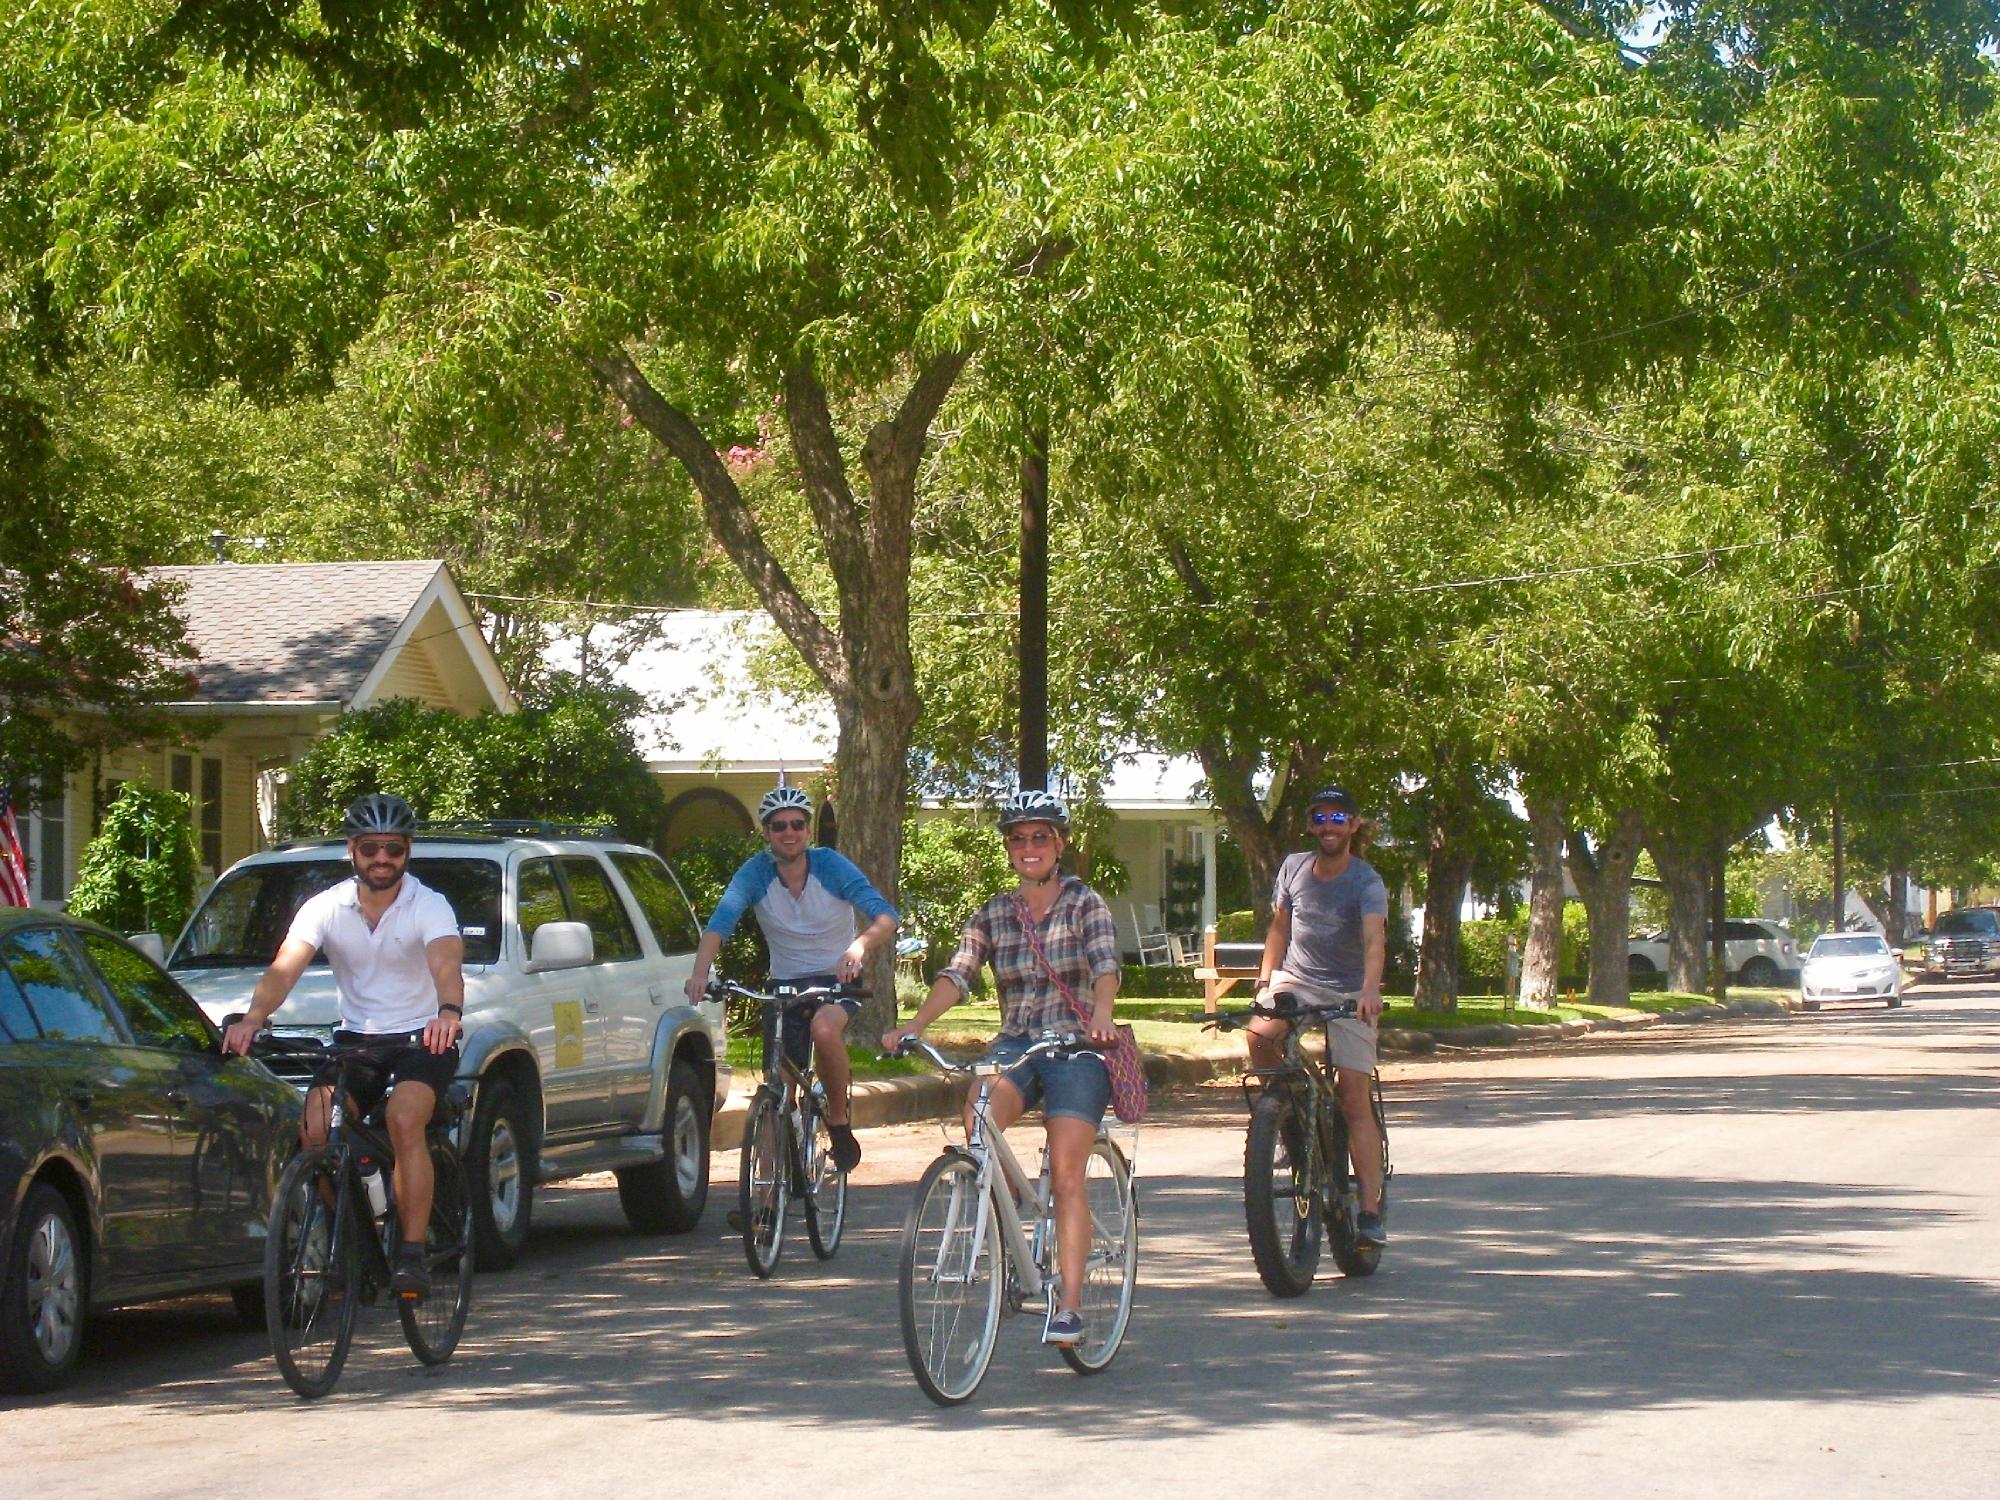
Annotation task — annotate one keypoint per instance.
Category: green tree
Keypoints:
(138, 873)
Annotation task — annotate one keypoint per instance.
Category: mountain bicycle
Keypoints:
(1298, 1180)
(980, 1239)
(334, 1231)
(787, 1147)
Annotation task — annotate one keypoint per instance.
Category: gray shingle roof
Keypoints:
(293, 632)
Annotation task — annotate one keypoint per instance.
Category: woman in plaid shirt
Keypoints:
(1051, 942)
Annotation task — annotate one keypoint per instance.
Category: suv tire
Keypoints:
(667, 1196)
(1758, 973)
(1639, 966)
(501, 1155)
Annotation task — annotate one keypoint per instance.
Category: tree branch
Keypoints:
(825, 475)
(730, 520)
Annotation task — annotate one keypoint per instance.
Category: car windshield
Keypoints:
(1968, 923)
(1855, 945)
(248, 913)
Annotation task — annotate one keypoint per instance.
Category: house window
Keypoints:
(49, 835)
(207, 804)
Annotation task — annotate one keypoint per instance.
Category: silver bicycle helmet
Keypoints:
(379, 813)
(1031, 806)
(778, 799)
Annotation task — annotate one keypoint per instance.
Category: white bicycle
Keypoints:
(980, 1239)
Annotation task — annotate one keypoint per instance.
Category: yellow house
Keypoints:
(283, 650)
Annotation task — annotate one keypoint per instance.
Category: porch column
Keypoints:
(1207, 878)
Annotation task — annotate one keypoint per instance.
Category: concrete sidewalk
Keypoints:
(929, 1096)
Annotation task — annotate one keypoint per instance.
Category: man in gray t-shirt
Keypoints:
(1328, 936)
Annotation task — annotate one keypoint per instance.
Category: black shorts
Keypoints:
(370, 1080)
(798, 1023)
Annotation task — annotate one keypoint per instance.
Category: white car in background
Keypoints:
(1850, 966)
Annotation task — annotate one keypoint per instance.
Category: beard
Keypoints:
(375, 880)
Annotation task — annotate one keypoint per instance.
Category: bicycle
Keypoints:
(980, 1238)
(787, 1147)
(331, 1246)
(1298, 1180)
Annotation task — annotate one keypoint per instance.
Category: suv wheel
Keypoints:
(667, 1196)
(1759, 973)
(1639, 965)
(42, 1298)
(500, 1154)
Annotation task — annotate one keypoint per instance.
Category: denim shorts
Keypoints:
(1077, 1087)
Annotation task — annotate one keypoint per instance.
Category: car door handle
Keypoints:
(591, 1006)
(657, 994)
(177, 1098)
(80, 1096)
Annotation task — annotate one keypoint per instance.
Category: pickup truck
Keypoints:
(586, 1055)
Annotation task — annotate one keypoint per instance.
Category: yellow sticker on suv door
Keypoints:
(569, 1033)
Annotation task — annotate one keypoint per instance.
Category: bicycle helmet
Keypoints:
(1335, 796)
(379, 812)
(778, 799)
(1030, 806)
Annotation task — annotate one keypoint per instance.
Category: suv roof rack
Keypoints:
(501, 828)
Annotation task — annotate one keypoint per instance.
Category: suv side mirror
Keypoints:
(152, 945)
(560, 945)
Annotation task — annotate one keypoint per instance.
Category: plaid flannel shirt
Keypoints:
(1079, 937)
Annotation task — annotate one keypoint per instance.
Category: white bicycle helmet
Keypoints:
(778, 799)
(1031, 806)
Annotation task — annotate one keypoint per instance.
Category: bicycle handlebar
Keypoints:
(788, 994)
(267, 1044)
(1067, 1042)
(1291, 1009)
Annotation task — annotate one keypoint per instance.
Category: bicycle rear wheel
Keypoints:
(1113, 1267)
(948, 1287)
(763, 1186)
(826, 1188)
(433, 1323)
(1280, 1197)
(310, 1274)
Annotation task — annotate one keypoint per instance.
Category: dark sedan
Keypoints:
(135, 1161)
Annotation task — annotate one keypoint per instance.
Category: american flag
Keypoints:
(13, 863)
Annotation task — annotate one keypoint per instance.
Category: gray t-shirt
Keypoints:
(1326, 946)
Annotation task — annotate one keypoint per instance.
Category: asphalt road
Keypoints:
(1742, 1258)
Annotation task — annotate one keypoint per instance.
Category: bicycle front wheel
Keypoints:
(763, 1187)
(1280, 1196)
(948, 1287)
(433, 1323)
(310, 1271)
(826, 1190)
(1113, 1268)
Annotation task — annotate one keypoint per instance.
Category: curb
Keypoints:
(927, 1096)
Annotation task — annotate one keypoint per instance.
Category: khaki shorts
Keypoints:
(1350, 1042)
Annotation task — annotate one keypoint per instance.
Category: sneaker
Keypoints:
(1064, 1328)
(1369, 1229)
(846, 1149)
(413, 1272)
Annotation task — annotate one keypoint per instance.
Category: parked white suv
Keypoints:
(1758, 951)
(587, 1055)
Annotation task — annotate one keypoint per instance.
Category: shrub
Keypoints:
(950, 869)
(1482, 943)
(704, 865)
(568, 755)
(138, 874)
(1237, 927)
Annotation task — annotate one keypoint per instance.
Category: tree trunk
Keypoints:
(1686, 874)
(1896, 918)
(1602, 873)
(865, 666)
(1447, 866)
(1541, 961)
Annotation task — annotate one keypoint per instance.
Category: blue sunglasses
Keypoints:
(1336, 818)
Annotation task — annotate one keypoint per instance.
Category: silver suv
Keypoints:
(587, 1055)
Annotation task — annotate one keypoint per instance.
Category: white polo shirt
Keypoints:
(384, 978)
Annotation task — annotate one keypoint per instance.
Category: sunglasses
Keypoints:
(786, 825)
(1033, 840)
(1337, 819)
(377, 848)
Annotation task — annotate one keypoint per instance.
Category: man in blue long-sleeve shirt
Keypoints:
(807, 901)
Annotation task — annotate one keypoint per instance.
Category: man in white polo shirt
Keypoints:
(396, 954)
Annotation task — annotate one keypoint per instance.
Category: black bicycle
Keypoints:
(1298, 1179)
(787, 1145)
(334, 1232)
